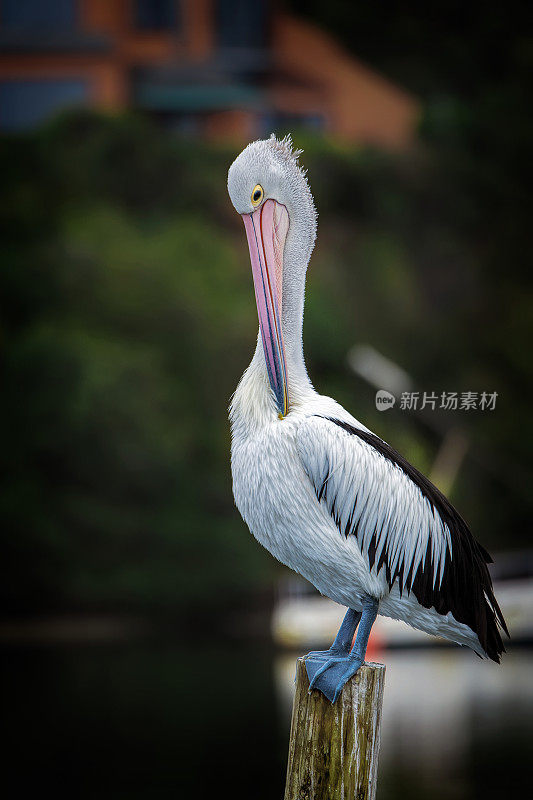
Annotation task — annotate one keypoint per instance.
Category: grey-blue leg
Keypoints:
(330, 670)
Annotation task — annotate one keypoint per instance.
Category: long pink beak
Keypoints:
(266, 231)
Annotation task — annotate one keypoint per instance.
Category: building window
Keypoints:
(38, 14)
(27, 103)
(241, 23)
(156, 15)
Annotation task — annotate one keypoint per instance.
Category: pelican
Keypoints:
(319, 490)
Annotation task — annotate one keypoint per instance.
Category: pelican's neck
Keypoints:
(253, 403)
(295, 262)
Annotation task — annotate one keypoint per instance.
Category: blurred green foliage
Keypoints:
(128, 317)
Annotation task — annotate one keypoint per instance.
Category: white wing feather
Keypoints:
(371, 497)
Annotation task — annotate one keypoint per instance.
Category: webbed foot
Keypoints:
(328, 670)
(320, 657)
(330, 674)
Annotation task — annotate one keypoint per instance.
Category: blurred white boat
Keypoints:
(304, 619)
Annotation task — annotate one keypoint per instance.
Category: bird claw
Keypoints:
(330, 676)
(325, 655)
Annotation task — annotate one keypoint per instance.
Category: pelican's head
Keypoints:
(269, 189)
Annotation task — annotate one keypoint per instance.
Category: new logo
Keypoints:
(384, 400)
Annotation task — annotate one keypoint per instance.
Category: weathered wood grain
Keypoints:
(333, 749)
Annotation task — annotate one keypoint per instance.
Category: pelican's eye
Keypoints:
(257, 195)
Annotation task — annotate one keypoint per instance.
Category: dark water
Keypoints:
(161, 720)
(141, 721)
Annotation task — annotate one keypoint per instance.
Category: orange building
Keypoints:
(213, 67)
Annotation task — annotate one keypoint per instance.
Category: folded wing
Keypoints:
(402, 523)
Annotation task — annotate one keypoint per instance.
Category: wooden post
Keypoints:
(333, 748)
